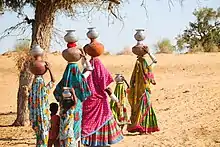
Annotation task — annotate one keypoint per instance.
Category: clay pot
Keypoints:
(92, 33)
(71, 36)
(94, 49)
(72, 54)
(38, 67)
(138, 50)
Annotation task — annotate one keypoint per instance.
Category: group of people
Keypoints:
(85, 115)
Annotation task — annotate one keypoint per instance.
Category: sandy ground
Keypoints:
(186, 100)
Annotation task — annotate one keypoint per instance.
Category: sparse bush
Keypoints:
(125, 51)
(22, 54)
(165, 46)
(106, 53)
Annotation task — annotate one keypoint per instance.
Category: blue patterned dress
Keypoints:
(39, 110)
(70, 123)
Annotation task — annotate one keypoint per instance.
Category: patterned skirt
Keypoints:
(120, 115)
(145, 121)
(108, 134)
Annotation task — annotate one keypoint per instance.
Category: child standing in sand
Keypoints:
(55, 126)
(120, 113)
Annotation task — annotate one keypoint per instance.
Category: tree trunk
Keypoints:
(25, 79)
(42, 29)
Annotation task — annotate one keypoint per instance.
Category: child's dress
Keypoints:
(120, 115)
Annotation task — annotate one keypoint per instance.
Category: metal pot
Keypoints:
(92, 33)
(71, 36)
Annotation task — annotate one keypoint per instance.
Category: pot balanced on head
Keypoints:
(38, 66)
(94, 48)
(73, 53)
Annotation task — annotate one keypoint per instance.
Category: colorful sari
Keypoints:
(120, 115)
(39, 110)
(143, 118)
(70, 122)
(98, 125)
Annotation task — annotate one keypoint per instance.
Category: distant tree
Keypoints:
(204, 33)
(165, 46)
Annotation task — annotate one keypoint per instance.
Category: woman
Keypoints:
(70, 122)
(143, 118)
(98, 125)
(38, 103)
(120, 115)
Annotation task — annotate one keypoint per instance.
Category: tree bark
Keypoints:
(42, 29)
(25, 79)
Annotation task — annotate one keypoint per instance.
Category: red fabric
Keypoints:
(71, 44)
(55, 127)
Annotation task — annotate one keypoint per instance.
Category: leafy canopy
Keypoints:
(204, 32)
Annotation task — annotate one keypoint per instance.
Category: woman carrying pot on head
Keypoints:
(38, 97)
(99, 127)
(143, 118)
(70, 92)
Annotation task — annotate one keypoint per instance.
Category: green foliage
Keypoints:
(203, 33)
(165, 46)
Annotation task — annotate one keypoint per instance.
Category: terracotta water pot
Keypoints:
(38, 67)
(94, 49)
(72, 54)
(139, 50)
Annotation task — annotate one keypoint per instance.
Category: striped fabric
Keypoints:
(108, 134)
(120, 115)
(143, 118)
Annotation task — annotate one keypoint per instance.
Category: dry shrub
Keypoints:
(164, 46)
(208, 48)
(125, 51)
(23, 56)
(9, 54)
(56, 53)
(106, 53)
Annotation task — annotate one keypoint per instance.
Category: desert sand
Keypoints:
(186, 100)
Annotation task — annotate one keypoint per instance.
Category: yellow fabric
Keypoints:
(138, 86)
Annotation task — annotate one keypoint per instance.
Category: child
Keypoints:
(55, 126)
(120, 113)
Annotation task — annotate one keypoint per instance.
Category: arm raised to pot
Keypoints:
(88, 67)
(152, 57)
(111, 94)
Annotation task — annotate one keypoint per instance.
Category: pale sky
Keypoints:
(160, 22)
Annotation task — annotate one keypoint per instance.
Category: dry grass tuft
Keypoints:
(125, 51)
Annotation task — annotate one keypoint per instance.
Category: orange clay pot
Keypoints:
(94, 48)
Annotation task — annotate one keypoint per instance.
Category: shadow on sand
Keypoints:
(8, 113)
